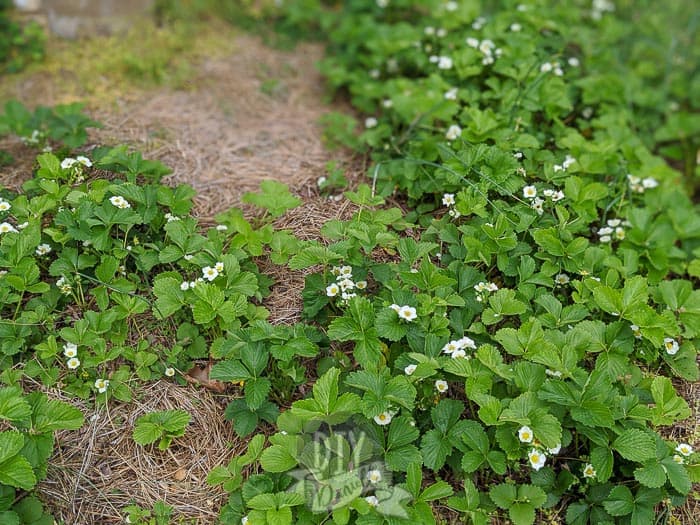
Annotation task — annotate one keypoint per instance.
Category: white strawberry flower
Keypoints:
(525, 434)
(453, 132)
(383, 419)
(101, 385)
(561, 279)
(515, 27)
(395, 307)
(466, 342)
(170, 371)
(444, 62)
(554, 450)
(685, 449)
(537, 459)
(84, 161)
(361, 285)
(671, 346)
(374, 476)
(219, 267)
(184, 286)
(332, 290)
(68, 163)
(472, 42)
(73, 363)
(589, 471)
(410, 369)
(636, 331)
(678, 459)
(70, 350)
(6, 227)
(209, 273)
(448, 199)
(119, 202)
(441, 386)
(407, 313)
(221, 227)
(459, 354)
(529, 192)
(4, 205)
(372, 501)
(43, 249)
(371, 122)
(451, 94)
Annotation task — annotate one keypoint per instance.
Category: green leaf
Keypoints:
(12, 406)
(169, 297)
(653, 475)
(277, 459)
(504, 495)
(677, 475)
(522, 513)
(11, 442)
(619, 502)
(274, 196)
(602, 461)
(17, 472)
(438, 490)
(435, 448)
(51, 414)
(635, 445)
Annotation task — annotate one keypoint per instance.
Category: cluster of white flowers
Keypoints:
(600, 7)
(483, 289)
(406, 313)
(43, 249)
(70, 351)
(344, 285)
(536, 456)
(453, 132)
(564, 166)
(451, 94)
(487, 48)
(64, 286)
(212, 272)
(34, 139)
(101, 385)
(119, 202)
(554, 67)
(170, 217)
(79, 161)
(457, 348)
(671, 346)
(442, 61)
(221, 227)
(4, 205)
(6, 227)
(440, 32)
(639, 185)
(614, 231)
(536, 203)
(448, 199)
(478, 23)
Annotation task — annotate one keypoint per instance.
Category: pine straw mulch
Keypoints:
(98, 470)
